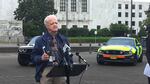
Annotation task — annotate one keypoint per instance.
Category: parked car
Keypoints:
(120, 49)
(24, 52)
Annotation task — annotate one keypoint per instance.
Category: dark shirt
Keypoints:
(46, 41)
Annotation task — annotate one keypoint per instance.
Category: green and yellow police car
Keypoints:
(120, 49)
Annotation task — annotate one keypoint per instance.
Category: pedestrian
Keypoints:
(48, 52)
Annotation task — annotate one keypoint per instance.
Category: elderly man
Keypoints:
(48, 52)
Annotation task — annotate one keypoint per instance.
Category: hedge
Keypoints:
(88, 39)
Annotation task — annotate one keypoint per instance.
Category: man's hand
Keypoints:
(45, 57)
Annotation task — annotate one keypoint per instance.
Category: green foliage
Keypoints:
(29, 29)
(33, 12)
(84, 31)
(104, 32)
(118, 29)
(73, 32)
(88, 39)
(142, 31)
(91, 33)
(64, 31)
(147, 20)
(115, 30)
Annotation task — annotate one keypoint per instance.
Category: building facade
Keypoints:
(100, 13)
(10, 29)
(91, 14)
(74, 13)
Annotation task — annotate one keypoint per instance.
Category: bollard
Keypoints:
(99, 44)
(80, 44)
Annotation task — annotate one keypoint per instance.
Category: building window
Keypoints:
(126, 14)
(63, 26)
(74, 26)
(126, 22)
(140, 15)
(133, 31)
(140, 7)
(133, 23)
(73, 5)
(119, 6)
(133, 6)
(119, 22)
(140, 23)
(126, 6)
(119, 14)
(98, 26)
(85, 26)
(133, 14)
(62, 5)
(84, 5)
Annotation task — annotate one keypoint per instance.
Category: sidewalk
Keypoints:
(8, 45)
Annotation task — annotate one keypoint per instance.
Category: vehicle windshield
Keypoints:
(32, 42)
(129, 42)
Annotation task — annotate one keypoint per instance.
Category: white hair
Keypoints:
(47, 18)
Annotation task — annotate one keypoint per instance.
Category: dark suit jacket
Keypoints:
(45, 40)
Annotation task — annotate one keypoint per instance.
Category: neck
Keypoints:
(53, 33)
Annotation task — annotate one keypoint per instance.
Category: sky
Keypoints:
(142, 0)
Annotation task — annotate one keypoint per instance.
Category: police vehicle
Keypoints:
(120, 49)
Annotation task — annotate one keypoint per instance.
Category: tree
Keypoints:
(73, 32)
(91, 32)
(119, 29)
(142, 31)
(104, 32)
(147, 20)
(64, 31)
(32, 13)
(84, 31)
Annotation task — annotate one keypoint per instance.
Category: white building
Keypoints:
(100, 13)
(88, 13)
(10, 30)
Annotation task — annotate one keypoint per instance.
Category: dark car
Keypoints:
(24, 52)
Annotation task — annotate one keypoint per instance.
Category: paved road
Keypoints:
(12, 73)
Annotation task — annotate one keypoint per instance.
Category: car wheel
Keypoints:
(23, 60)
(99, 61)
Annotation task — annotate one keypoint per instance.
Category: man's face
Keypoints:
(52, 25)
